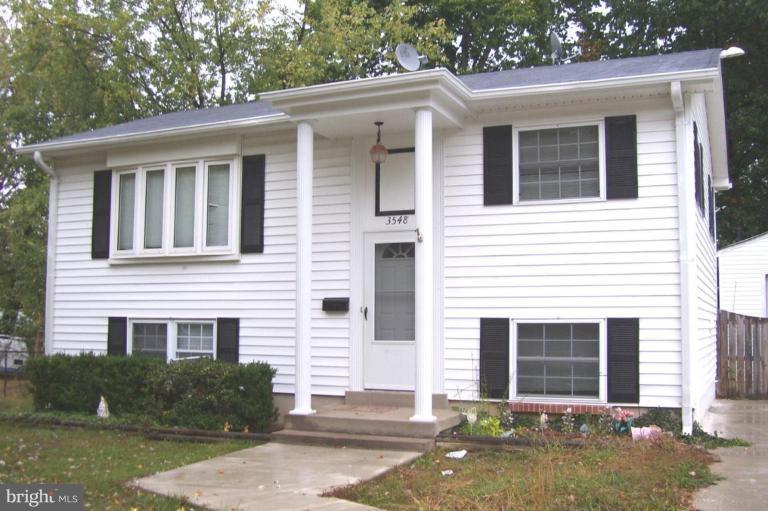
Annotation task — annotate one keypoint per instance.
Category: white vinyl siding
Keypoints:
(704, 346)
(577, 260)
(259, 289)
(744, 277)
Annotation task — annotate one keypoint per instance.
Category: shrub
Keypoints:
(75, 384)
(207, 394)
(200, 393)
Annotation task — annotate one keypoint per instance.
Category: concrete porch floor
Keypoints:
(745, 469)
(275, 476)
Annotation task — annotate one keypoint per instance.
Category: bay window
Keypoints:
(182, 208)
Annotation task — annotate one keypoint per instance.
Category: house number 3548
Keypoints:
(396, 220)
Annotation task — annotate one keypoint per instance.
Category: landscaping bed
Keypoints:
(614, 473)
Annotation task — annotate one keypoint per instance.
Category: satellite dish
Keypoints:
(555, 47)
(558, 55)
(409, 57)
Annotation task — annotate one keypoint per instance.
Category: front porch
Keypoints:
(395, 287)
(370, 419)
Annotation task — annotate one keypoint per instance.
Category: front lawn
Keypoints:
(103, 461)
(605, 474)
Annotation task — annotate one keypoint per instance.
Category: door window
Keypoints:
(395, 298)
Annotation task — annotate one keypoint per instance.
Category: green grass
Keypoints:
(615, 474)
(103, 461)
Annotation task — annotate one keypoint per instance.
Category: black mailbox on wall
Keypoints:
(335, 304)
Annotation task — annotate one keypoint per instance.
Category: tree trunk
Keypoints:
(39, 334)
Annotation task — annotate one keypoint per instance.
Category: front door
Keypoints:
(389, 312)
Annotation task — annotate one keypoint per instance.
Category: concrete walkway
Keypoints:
(745, 469)
(275, 476)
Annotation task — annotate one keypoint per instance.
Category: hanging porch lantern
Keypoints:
(378, 152)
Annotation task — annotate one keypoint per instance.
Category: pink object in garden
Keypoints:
(646, 433)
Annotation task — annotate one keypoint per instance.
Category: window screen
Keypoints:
(125, 213)
(217, 230)
(194, 340)
(559, 163)
(150, 339)
(558, 359)
(184, 208)
(153, 214)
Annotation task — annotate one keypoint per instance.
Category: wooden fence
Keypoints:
(742, 356)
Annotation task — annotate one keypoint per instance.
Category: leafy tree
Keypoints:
(621, 28)
(493, 35)
(23, 232)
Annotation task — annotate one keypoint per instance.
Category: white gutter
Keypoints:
(50, 255)
(685, 208)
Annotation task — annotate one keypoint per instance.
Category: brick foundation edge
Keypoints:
(559, 408)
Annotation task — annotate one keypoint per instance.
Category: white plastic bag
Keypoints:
(456, 455)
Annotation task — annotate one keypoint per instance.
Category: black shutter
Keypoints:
(623, 360)
(102, 197)
(117, 336)
(621, 157)
(494, 357)
(497, 165)
(252, 208)
(697, 169)
(700, 179)
(228, 340)
(711, 207)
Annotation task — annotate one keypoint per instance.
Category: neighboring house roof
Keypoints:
(259, 111)
(739, 244)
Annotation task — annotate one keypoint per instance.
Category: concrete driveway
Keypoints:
(745, 469)
(275, 476)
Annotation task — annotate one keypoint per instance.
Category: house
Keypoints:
(743, 271)
(544, 235)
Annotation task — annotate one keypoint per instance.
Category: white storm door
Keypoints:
(389, 312)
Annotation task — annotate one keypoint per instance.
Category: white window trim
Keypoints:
(517, 128)
(602, 364)
(168, 251)
(170, 341)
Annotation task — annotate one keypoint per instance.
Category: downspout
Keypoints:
(50, 258)
(687, 255)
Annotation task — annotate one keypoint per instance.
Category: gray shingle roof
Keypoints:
(543, 75)
(595, 70)
(174, 120)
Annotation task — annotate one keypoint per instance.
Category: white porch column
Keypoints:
(424, 268)
(304, 170)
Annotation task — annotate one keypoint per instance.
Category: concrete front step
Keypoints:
(330, 439)
(391, 398)
(381, 421)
